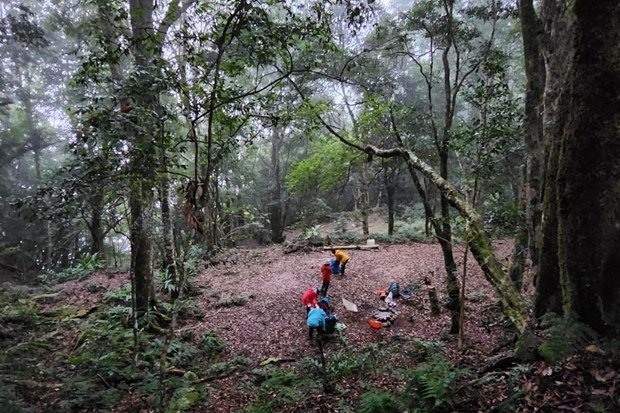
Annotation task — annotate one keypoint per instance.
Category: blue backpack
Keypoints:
(335, 265)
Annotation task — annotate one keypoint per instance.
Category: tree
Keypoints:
(579, 252)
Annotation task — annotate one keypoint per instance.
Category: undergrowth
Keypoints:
(280, 389)
(563, 337)
(71, 361)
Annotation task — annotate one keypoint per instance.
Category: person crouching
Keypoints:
(316, 321)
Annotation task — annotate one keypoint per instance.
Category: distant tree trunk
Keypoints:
(95, 226)
(275, 205)
(364, 198)
(390, 188)
(584, 160)
(390, 174)
(169, 259)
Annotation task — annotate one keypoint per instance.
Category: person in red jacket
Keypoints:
(326, 273)
(310, 299)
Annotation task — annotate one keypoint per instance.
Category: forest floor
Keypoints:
(251, 300)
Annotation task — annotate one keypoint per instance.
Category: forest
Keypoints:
(176, 174)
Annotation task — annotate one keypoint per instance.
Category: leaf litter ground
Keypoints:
(251, 299)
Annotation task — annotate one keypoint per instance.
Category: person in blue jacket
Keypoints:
(316, 321)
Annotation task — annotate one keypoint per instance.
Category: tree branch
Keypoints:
(175, 10)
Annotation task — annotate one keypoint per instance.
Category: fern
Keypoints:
(564, 336)
(434, 382)
(281, 389)
(211, 344)
(380, 401)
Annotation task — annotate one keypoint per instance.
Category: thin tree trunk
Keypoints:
(275, 205)
(169, 261)
(529, 233)
(389, 190)
(364, 198)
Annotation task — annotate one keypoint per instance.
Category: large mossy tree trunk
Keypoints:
(588, 168)
(147, 46)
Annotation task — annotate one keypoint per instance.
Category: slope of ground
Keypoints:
(251, 300)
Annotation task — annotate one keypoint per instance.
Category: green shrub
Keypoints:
(87, 264)
(121, 295)
(432, 384)
(211, 344)
(281, 389)
(380, 401)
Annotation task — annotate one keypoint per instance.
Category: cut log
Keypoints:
(351, 247)
(304, 245)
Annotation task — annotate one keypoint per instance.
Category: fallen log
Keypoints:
(351, 247)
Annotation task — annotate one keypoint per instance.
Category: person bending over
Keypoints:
(316, 321)
(342, 258)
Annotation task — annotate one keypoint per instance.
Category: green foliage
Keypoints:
(326, 168)
(86, 395)
(421, 350)
(211, 344)
(380, 401)
(16, 309)
(564, 336)
(185, 392)
(314, 211)
(184, 398)
(237, 362)
(346, 363)
(121, 295)
(432, 383)
(167, 282)
(87, 264)
(281, 389)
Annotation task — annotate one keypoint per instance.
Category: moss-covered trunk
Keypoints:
(531, 27)
(589, 168)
